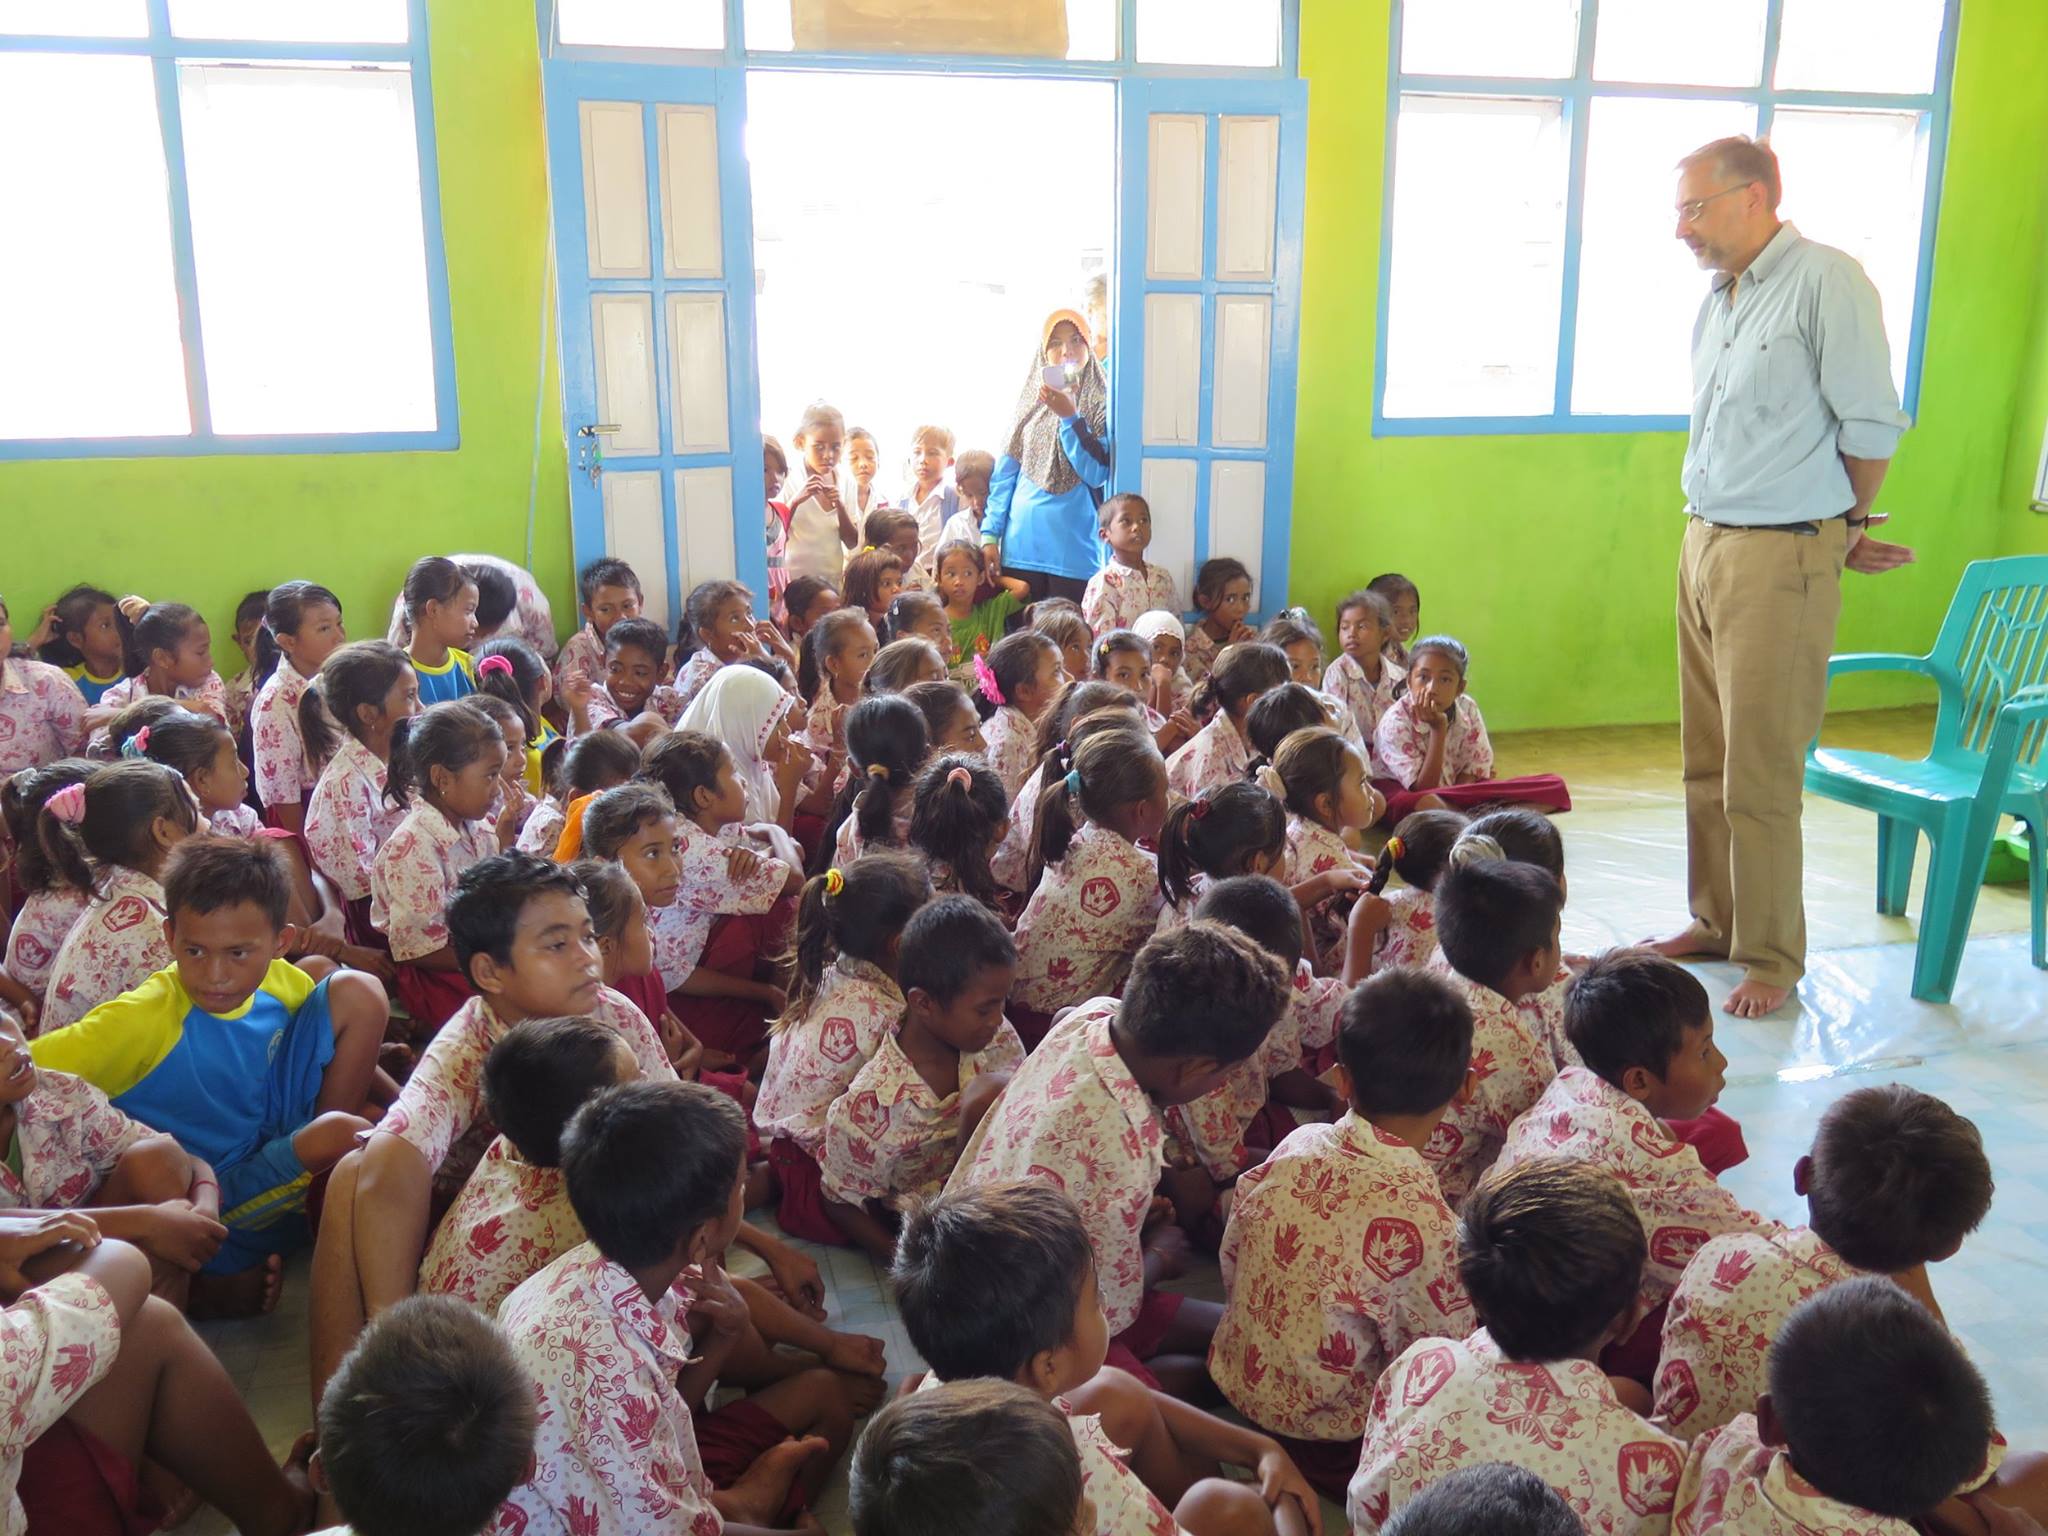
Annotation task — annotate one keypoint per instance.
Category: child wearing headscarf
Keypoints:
(1168, 687)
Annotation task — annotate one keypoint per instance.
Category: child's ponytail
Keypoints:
(1241, 672)
(283, 612)
(450, 736)
(959, 807)
(22, 798)
(1218, 835)
(108, 819)
(361, 673)
(508, 668)
(1109, 768)
(886, 742)
(1419, 851)
(857, 911)
(1010, 663)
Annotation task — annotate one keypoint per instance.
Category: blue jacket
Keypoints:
(1043, 532)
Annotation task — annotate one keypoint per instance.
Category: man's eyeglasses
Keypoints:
(1692, 210)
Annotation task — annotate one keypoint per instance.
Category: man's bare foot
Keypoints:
(762, 1492)
(251, 1293)
(1753, 999)
(1688, 944)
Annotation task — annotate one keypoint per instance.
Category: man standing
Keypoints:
(1794, 420)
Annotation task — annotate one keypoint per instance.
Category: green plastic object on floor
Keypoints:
(1990, 665)
(2008, 864)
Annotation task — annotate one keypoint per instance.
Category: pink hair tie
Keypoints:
(68, 804)
(137, 745)
(491, 666)
(961, 777)
(985, 683)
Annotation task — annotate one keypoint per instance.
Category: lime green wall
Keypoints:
(1553, 557)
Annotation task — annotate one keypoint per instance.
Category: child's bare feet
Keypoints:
(760, 1495)
(251, 1293)
(857, 1354)
(864, 1393)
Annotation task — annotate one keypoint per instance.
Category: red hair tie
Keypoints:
(961, 777)
(68, 804)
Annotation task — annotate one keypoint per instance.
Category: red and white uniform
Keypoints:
(56, 1342)
(1582, 1115)
(235, 821)
(582, 651)
(889, 1135)
(1313, 849)
(1344, 680)
(709, 890)
(1543, 1017)
(1011, 739)
(116, 944)
(1447, 1404)
(42, 715)
(1401, 744)
(1011, 862)
(349, 819)
(209, 698)
(1410, 935)
(39, 931)
(283, 776)
(240, 692)
(542, 829)
(1118, 595)
(511, 1221)
(414, 875)
(614, 1451)
(1210, 1130)
(1090, 914)
(1339, 1254)
(1198, 652)
(664, 701)
(698, 668)
(1214, 756)
(1735, 1485)
(1075, 1118)
(814, 1061)
(1172, 917)
(847, 844)
(1510, 1072)
(69, 1138)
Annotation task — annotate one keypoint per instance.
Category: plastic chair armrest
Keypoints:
(1882, 661)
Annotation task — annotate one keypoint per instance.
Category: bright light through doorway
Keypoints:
(910, 235)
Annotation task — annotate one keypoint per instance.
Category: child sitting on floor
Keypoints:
(1419, 852)
(1551, 1253)
(1219, 752)
(1361, 677)
(1233, 829)
(1433, 747)
(302, 627)
(1168, 686)
(981, 1455)
(1122, 657)
(87, 641)
(176, 649)
(957, 820)
(718, 628)
(1060, 621)
(1076, 712)
(440, 605)
(870, 584)
(807, 600)
(903, 663)
(1323, 781)
(50, 903)
(349, 717)
(1022, 1252)
(886, 743)
(607, 590)
(950, 716)
(920, 615)
(1303, 1342)
(631, 690)
(1491, 1497)
(1404, 602)
(1302, 644)
(1014, 685)
(589, 765)
(1126, 587)
(1223, 596)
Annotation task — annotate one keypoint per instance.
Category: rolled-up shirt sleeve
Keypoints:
(1856, 366)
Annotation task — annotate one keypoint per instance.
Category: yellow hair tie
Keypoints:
(867, 549)
(878, 770)
(1395, 847)
(835, 882)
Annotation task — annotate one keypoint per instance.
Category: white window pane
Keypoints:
(1666, 44)
(292, 21)
(88, 306)
(645, 23)
(1858, 181)
(74, 18)
(1639, 288)
(1528, 39)
(305, 193)
(1859, 45)
(1478, 234)
(1091, 27)
(1241, 32)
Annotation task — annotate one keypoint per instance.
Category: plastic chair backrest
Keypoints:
(1995, 639)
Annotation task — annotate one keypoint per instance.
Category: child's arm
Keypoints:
(1204, 1436)
(1437, 726)
(1317, 889)
(1015, 586)
(1368, 920)
(22, 1001)
(713, 1298)
(796, 1273)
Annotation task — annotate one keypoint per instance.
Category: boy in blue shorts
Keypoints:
(241, 1056)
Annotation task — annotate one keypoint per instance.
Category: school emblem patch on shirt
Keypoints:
(1100, 897)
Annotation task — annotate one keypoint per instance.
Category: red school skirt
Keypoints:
(1546, 791)
(431, 997)
(801, 1211)
(746, 946)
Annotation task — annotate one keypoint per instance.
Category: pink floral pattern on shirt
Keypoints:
(1214, 756)
(349, 819)
(208, 698)
(1510, 1070)
(1089, 916)
(664, 701)
(542, 829)
(815, 1060)
(1075, 1118)
(69, 1138)
(697, 670)
(117, 944)
(1117, 596)
(1736, 1485)
(414, 875)
(56, 1342)
(1410, 935)
(39, 931)
(1345, 680)
(1198, 653)
(1339, 1254)
(709, 890)
(1402, 744)
(1011, 862)
(847, 843)
(511, 1221)
(42, 715)
(235, 821)
(1582, 1115)
(1210, 1130)
(1313, 849)
(1011, 737)
(615, 1453)
(584, 652)
(1543, 1017)
(283, 775)
(889, 1135)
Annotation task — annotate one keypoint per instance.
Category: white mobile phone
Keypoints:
(1054, 375)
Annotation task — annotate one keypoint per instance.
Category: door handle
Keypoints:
(590, 453)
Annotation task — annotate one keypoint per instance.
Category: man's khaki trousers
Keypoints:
(1756, 624)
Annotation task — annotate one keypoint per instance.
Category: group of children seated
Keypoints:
(1032, 950)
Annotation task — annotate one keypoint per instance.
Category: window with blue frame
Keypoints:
(1530, 276)
(224, 229)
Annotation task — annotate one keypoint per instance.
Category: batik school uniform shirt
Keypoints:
(1447, 1404)
(235, 821)
(56, 1342)
(67, 1139)
(856, 1007)
(1735, 1485)
(1543, 1017)
(1074, 1117)
(208, 698)
(453, 679)
(1198, 652)
(542, 829)
(986, 623)
(40, 928)
(1583, 1116)
(889, 1135)
(1118, 595)
(664, 701)
(511, 1221)
(581, 652)
(1171, 916)
(614, 1450)
(1011, 862)
(1344, 680)
(697, 670)
(1410, 935)
(90, 688)
(283, 775)
(42, 716)
(1090, 914)
(1339, 1254)
(349, 818)
(847, 843)
(1402, 744)
(241, 692)
(1510, 1071)
(708, 891)
(1214, 756)
(414, 874)
(1313, 849)
(117, 943)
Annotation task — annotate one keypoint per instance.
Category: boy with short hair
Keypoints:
(1340, 1252)
(1084, 1113)
(238, 1054)
(428, 1424)
(1497, 934)
(985, 1456)
(930, 499)
(1001, 1280)
(1492, 1498)
(628, 686)
(1126, 587)
(1551, 1253)
(607, 590)
(974, 472)
(1895, 1181)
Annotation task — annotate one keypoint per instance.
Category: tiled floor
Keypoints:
(1987, 1055)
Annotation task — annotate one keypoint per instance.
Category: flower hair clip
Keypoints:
(985, 682)
(491, 666)
(1198, 810)
(1073, 781)
(68, 804)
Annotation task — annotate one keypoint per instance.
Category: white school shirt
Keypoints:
(115, 946)
(68, 1138)
(1091, 912)
(889, 1135)
(349, 819)
(816, 1059)
(814, 547)
(414, 875)
(1118, 596)
(207, 698)
(933, 513)
(1410, 935)
(39, 931)
(283, 774)
(1510, 1072)
(1402, 744)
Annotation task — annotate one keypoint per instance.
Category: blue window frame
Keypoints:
(166, 53)
(1565, 111)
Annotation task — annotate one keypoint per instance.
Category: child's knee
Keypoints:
(152, 1171)
(123, 1271)
(1214, 1507)
(326, 1139)
(356, 1001)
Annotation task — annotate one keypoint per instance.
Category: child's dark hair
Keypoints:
(284, 610)
(855, 911)
(1061, 627)
(825, 639)
(606, 572)
(700, 612)
(980, 1455)
(1291, 626)
(483, 914)
(359, 674)
(771, 667)
(886, 743)
(897, 664)
(1013, 661)
(958, 804)
(645, 635)
(596, 760)
(450, 736)
(1491, 1497)
(990, 1276)
(210, 874)
(911, 605)
(184, 742)
(939, 702)
(615, 814)
(124, 727)
(683, 762)
(1077, 700)
(1629, 1008)
(1491, 915)
(427, 1426)
(1260, 906)
(648, 1163)
(1880, 1408)
(1419, 851)
(1896, 1179)
(883, 524)
(1109, 770)
(1312, 765)
(952, 547)
(22, 798)
(74, 611)
(1241, 672)
(1277, 715)
(1203, 990)
(432, 579)
(506, 716)
(609, 895)
(947, 943)
(1218, 834)
(540, 1073)
(1406, 1040)
(1551, 1252)
(1526, 836)
(163, 627)
(520, 686)
(1214, 575)
(1451, 650)
(496, 593)
(122, 803)
(1106, 513)
(803, 591)
(860, 584)
(1372, 602)
(1118, 642)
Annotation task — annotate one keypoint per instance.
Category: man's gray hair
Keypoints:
(1739, 160)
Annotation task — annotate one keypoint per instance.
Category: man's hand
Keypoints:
(1874, 556)
(992, 558)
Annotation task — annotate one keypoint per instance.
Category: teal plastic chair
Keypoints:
(1990, 662)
